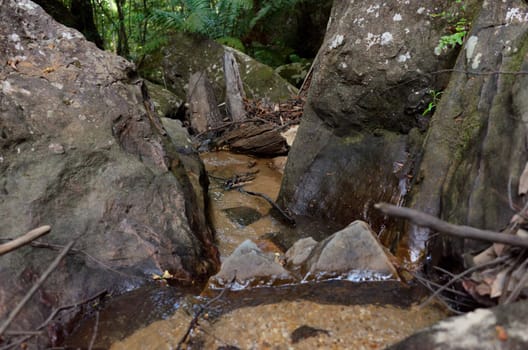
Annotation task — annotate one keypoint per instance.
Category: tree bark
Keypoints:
(203, 107)
(122, 39)
(234, 88)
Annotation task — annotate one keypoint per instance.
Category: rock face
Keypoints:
(79, 151)
(186, 54)
(353, 252)
(475, 150)
(248, 265)
(362, 122)
(503, 327)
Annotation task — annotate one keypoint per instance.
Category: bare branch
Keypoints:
(422, 219)
(35, 287)
(24, 239)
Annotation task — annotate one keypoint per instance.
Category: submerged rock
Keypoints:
(79, 151)
(242, 216)
(354, 252)
(249, 265)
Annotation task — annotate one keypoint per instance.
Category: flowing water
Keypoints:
(332, 314)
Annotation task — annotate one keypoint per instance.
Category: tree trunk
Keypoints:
(234, 88)
(122, 39)
(203, 107)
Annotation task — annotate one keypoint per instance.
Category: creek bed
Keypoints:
(334, 314)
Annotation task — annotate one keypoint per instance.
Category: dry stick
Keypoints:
(462, 274)
(194, 321)
(94, 335)
(50, 317)
(288, 218)
(35, 287)
(38, 244)
(24, 239)
(515, 293)
(423, 219)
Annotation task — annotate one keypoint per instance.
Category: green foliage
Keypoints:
(233, 23)
(435, 99)
(458, 27)
(454, 39)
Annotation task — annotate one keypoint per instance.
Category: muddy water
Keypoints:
(330, 315)
(222, 167)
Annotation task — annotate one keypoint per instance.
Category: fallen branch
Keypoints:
(30, 334)
(198, 314)
(426, 220)
(35, 287)
(94, 334)
(24, 239)
(284, 214)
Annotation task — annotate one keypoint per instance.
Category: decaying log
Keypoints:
(262, 140)
(423, 219)
(234, 88)
(203, 107)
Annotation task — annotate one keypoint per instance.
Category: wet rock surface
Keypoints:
(249, 265)
(502, 327)
(353, 249)
(357, 118)
(79, 151)
(477, 133)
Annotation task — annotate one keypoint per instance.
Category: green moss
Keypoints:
(354, 139)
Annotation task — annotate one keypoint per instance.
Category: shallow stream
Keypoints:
(334, 314)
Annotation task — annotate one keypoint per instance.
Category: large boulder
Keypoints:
(185, 54)
(476, 147)
(503, 327)
(362, 124)
(79, 151)
(354, 253)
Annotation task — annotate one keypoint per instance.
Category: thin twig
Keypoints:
(451, 290)
(94, 335)
(91, 257)
(522, 283)
(24, 239)
(195, 319)
(423, 219)
(285, 215)
(35, 287)
(462, 274)
(50, 318)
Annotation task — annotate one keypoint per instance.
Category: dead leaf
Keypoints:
(523, 181)
(522, 233)
(498, 285)
(48, 70)
(485, 256)
(483, 289)
(501, 333)
(499, 248)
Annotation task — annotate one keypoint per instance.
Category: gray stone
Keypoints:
(300, 251)
(355, 249)
(475, 150)
(251, 266)
(477, 330)
(78, 151)
(361, 128)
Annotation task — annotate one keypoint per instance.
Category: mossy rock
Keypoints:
(187, 53)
